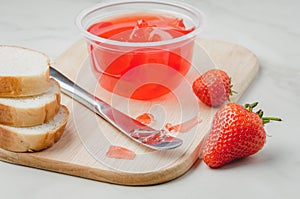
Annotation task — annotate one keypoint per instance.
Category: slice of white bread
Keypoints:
(36, 138)
(31, 111)
(23, 72)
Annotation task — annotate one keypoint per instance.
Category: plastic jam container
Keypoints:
(140, 49)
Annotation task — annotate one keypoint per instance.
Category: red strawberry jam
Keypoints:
(143, 71)
(184, 126)
(145, 118)
(119, 152)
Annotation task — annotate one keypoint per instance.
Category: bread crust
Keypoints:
(18, 142)
(24, 86)
(26, 117)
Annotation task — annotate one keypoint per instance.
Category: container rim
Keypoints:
(199, 26)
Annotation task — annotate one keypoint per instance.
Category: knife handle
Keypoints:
(79, 94)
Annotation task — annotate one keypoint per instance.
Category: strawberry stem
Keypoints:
(268, 119)
(251, 106)
(260, 113)
(231, 92)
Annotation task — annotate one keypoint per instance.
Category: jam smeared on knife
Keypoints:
(156, 138)
(150, 137)
(119, 152)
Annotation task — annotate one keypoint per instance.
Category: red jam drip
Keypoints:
(185, 126)
(145, 118)
(119, 152)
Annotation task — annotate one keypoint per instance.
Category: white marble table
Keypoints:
(269, 28)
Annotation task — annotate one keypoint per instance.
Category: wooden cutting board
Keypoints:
(82, 148)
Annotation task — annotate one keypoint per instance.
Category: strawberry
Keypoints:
(213, 87)
(236, 132)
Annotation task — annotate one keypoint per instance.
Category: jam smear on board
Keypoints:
(145, 118)
(185, 126)
(119, 152)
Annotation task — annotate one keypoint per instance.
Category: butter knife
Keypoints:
(143, 134)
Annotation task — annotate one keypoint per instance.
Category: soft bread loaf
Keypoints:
(36, 138)
(23, 72)
(30, 111)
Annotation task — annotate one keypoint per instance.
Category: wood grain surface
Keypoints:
(82, 148)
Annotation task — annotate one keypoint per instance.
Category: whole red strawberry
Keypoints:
(236, 132)
(213, 87)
